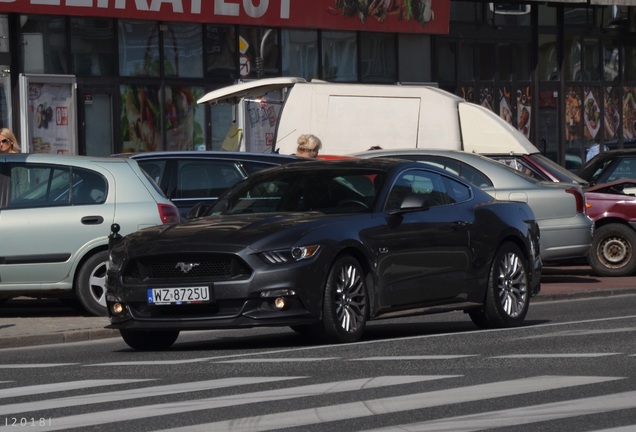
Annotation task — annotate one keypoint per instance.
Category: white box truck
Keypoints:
(350, 118)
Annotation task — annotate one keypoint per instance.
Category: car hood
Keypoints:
(232, 232)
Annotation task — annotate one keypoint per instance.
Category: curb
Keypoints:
(57, 338)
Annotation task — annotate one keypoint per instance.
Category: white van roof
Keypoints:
(248, 90)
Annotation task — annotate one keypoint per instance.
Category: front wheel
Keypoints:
(345, 302)
(146, 340)
(90, 284)
(507, 298)
(612, 252)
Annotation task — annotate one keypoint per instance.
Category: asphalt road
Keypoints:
(570, 368)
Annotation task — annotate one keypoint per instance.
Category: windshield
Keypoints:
(330, 191)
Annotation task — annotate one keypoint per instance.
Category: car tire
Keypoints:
(90, 284)
(146, 340)
(612, 252)
(507, 296)
(345, 303)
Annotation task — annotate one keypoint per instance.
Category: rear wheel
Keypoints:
(507, 298)
(90, 284)
(147, 340)
(345, 302)
(612, 252)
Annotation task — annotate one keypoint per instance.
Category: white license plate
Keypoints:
(186, 295)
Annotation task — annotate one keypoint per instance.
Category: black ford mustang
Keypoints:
(323, 247)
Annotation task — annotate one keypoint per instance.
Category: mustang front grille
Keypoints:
(186, 267)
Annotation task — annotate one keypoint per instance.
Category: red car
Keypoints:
(610, 204)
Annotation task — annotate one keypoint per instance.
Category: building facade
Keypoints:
(99, 77)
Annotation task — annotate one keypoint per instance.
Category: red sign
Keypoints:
(396, 16)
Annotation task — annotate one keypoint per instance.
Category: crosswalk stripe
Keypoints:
(63, 386)
(120, 395)
(279, 360)
(35, 365)
(519, 416)
(419, 357)
(395, 404)
(563, 355)
(139, 412)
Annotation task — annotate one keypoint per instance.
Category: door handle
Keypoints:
(92, 220)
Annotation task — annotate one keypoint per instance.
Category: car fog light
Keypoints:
(280, 292)
(117, 308)
(279, 303)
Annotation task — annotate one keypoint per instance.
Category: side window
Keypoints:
(462, 170)
(625, 169)
(206, 179)
(89, 187)
(38, 185)
(433, 188)
(458, 191)
(251, 167)
(155, 169)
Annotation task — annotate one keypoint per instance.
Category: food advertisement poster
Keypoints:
(611, 117)
(50, 122)
(467, 92)
(504, 104)
(629, 112)
(524, 110)
(184, 119)
(486, 97)
(140, 118)
(591, 112)
(573, 114)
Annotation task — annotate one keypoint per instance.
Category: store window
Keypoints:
(467, 56)
(182, 50)
(446, 53)
(486, 58)
(139, 48)
(415, 58)
(377, 58)
(548, 63)
(591, 60)
(220, 52)
(43, 43)
(522, 69)
(629, 64)
(258, 52)
(339, 56)
(505, 55)
(611, 57)
(300, 53)
(92, 46)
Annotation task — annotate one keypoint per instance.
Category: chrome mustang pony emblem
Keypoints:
(186, 267)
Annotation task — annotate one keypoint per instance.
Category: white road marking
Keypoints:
(590, 332)
(563, 355)
(63, 386)
(420, 357)
(525, 415)
(279, 360)
(239, 399)
(136, 393)
(35, 365)
(390, 405)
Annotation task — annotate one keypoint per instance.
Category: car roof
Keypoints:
(61, 159)
(380, 163)
(245, 156)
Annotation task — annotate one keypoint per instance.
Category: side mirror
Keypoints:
(198, 210)
(415, 201)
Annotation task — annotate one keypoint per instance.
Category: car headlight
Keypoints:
(296, 253)
(116, 257)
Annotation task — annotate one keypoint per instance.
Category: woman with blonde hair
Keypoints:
(308, 146)
(8, 142)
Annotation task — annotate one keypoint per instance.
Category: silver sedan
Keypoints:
(566, 230)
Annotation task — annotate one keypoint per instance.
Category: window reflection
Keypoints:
(183, 50)
(339, 56)
(43, 43)
(92, 46)
(138, 48)
(300, 53)
(377, 53)
(221, 52)
(548, 70)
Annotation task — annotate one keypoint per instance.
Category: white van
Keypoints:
(350, 118)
